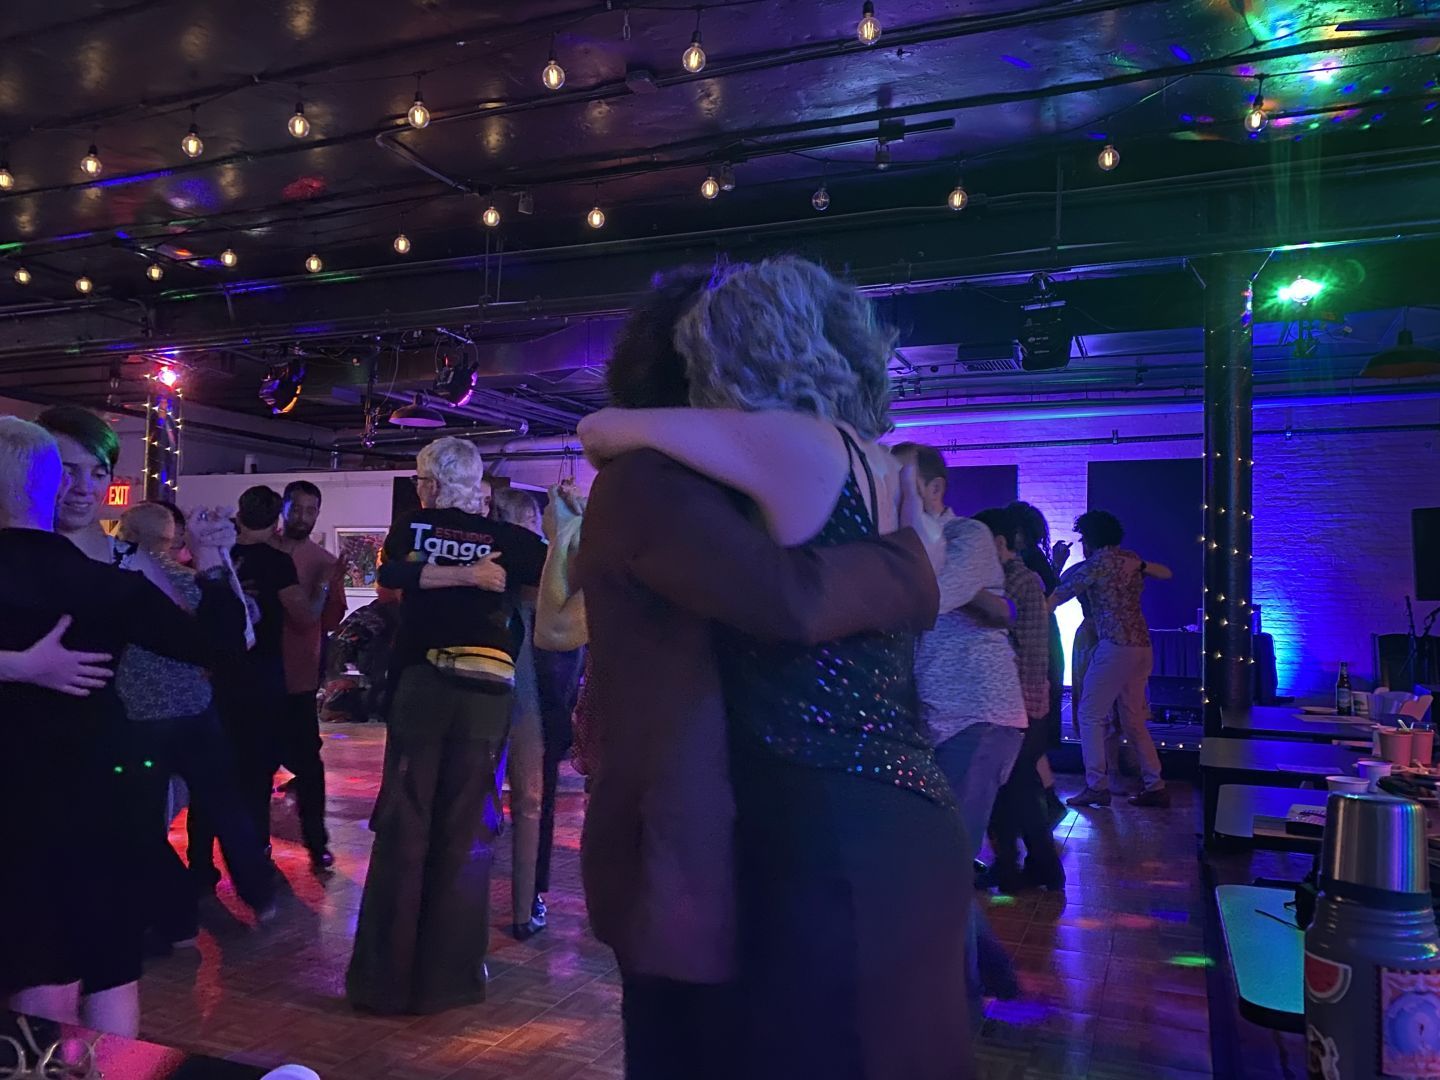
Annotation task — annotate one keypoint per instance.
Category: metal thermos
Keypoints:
(1372, 954)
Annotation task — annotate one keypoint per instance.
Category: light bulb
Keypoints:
(693, 58)
(821, 199)
(958, 198)
(419, 115)
(314, 263)
(868, 29)
(154, 271)
(228, 257)
(1255, 119)
(595, 218)
(90, 164)
(22, 276)
(192, 145)
(709, 187)
(401, 244)
(7, 178)
(298, 126)
(554, 75)
(491, 216)
(1109, 158)
(83, 284)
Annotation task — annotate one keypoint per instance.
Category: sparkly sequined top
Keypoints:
(847, 705)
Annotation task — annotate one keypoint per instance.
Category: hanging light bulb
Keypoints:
(228, 258)
(958, 198)
(727, 177)
(595, 218)
(84, 285)
(709, 187)
(693, 59)
(299, 126)
(154, 271)
(1109, 158)
(22, 276)
(314, 263)
(419, 115)
(553, 76)
(882, 154)
(90, 164)
(401, 244)
(7, 178)
(868, 29)
(1256, 118)
(192, 145)
(491, 216)
(821, 199)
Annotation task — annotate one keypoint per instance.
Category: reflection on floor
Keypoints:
(1114, 972)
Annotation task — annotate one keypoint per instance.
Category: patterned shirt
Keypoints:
(1111, 580)
(965, 671)
(154, 687)
(1031, 634)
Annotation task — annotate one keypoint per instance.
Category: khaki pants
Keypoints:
(1083, 648)
(525, 769)
(1117, 677)
(425, 913)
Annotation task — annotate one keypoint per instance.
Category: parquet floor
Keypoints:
(1114, 972)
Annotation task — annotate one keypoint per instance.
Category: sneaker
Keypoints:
(524, 931)
(539, 913)
(1089, 797)
(321, 861)
(1152, 797)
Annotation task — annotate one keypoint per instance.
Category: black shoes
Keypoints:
(526, 930)
(1018, 881)
(1152, 797)
(321, 861)
(1089, 797)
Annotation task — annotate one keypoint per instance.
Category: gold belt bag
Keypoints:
(475, 666)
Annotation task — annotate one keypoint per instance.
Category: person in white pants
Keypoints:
(1112, 578)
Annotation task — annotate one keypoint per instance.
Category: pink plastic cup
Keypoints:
(1396, 745)
(1422, 745)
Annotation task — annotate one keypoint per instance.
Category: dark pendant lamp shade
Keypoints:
(1403, 360)
(417, 415)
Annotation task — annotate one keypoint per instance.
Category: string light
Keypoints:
(595, 218)
(84, 285)
(7, 178)
(401, 244)
(1109, 158)
(868, 29)
(22, 276)
(154, 271)
(553, 75)
(709, 187)
(90, 164)
(693, 59)
(958, 198)
(419, 115)
(314, 263)
(228, 258)
(821, 199)
(192, 146)
(299, 126)
(491, 216)
(1255, 119)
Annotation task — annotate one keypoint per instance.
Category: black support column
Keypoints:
(1229, 465)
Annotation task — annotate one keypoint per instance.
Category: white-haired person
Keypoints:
(424, 917)
(852, 876)
(69, 911)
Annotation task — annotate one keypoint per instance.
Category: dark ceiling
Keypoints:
(1017, 98)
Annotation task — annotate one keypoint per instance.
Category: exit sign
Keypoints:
(118, 495)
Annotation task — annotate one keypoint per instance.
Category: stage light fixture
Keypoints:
(313, 263)
(298, 125)
(167, 376)
(456, 380)
(91, 164)
(417, 415)
(283, 384)
(1108, 158)
(821, 199)
(192, 146)
(709, 187)
(22, 276)
(868, 29)
(419, 115)
(228, 258)
(1300, 291)
(84, 285)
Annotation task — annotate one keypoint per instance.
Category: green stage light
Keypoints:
(1300, 291)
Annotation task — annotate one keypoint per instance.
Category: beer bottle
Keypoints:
(1344, 700)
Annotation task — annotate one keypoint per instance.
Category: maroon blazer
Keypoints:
(664, 556)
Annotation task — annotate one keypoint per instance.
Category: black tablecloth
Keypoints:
(1177, 654)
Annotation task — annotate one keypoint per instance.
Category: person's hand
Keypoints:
(913, 516)
(566, 505)
(50, 664)
(1059, 554)
(485, 573)
(210, 536)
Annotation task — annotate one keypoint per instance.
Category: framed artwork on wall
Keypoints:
(359, 552)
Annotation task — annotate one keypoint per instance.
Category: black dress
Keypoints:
(853, 886)
(69, 834)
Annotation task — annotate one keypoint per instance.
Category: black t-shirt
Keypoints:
(264, 573)
(445, 618)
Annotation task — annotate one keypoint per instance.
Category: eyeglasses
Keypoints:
(417, 480)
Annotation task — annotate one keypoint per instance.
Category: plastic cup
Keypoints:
(1422, 745)
(1351, 785)
(1373, 770)
(1396, 745)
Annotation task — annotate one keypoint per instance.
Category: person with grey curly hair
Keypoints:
(851, 865)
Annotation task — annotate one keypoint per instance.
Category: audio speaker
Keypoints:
(1425, 542)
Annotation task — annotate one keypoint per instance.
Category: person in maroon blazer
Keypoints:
(669, 558)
